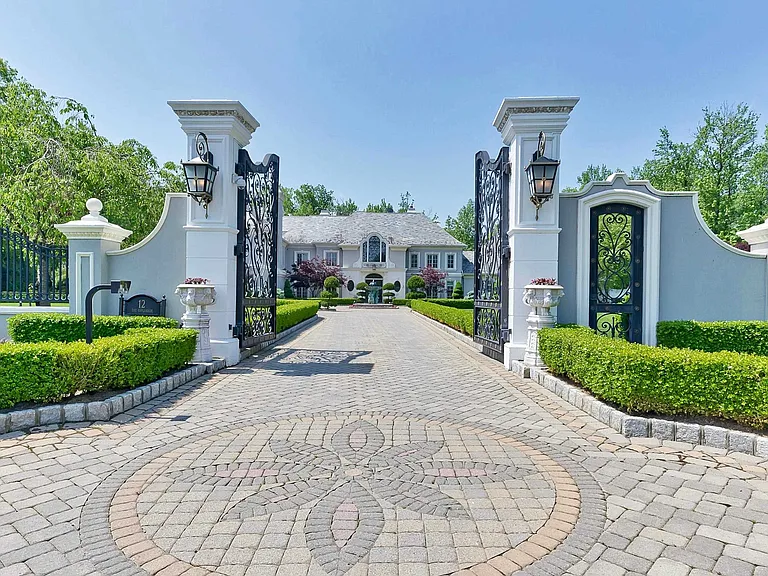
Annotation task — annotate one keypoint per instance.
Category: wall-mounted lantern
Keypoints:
(201, 173)
(541, 174)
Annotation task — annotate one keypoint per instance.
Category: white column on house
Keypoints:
(210, 241)
(533, 243)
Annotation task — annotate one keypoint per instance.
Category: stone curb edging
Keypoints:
(628, 425)
(102, 410)
(641, 427)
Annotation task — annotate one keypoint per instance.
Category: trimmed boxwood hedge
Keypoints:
(70, 327)
(461, 320)
(291, 312)
(740, 336)
(669, 381)
(337, 301)
(461, 304)
(50, 371)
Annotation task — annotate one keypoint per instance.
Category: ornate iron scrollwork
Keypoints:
(616, 271)
(257, 249)
(491, 251)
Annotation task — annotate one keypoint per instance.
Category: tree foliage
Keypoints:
(313, 273)
(463, 226)
(52, 160)
(310, 200)
(381, 207)
(593, 173)
(434, 280)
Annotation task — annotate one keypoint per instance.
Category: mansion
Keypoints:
(376, 248)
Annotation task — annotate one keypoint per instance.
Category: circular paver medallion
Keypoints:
(335, 495)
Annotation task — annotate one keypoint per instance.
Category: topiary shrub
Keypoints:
(458, 290)
(70, 327)
(415, 284)
(49, 371)
(287, 289)
(667, 381)
(415, 295)
(362, 291)
(331, 285)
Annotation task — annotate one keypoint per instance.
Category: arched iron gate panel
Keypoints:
(616, 271)
(256, 250)
(491, 252)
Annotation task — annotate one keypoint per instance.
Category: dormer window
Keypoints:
(374, 250)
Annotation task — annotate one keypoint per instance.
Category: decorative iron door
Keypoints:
(256, 249)
(491, 252)
(616, 271)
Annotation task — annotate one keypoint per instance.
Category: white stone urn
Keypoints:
(541, 298)
(196, 297)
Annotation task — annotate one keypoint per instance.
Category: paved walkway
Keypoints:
(372, 444)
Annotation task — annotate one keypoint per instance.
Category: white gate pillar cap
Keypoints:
(532, 114)
(93, 226)
(215, 117)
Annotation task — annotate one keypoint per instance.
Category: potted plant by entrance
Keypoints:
(196, 294)
(541, 295)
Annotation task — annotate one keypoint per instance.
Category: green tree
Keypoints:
(463, 226)
(405, 202)
(287, 289)
(307, 200)
(674, 165)
(458, 290)
(382, 206)
(345, 208)
(52, 160)
(593, 173)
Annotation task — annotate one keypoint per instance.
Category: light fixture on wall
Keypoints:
(541, 172)
(201, 173)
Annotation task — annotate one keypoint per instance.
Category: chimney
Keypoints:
(411, 209)
(324, 213)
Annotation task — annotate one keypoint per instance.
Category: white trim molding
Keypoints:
(651, 254)
(410, 259)
(80, 290)
(455, 260)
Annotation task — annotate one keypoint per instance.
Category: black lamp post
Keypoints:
(116, 287)
(541, 172)
(201, 173)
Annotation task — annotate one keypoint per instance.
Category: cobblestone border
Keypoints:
(98, 536)
(641, 427)
(102, 410)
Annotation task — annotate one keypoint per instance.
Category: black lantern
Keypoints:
(201, 173)
(541, 174)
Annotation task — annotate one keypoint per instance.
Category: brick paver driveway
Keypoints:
(374, 444)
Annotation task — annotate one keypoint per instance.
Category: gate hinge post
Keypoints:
(505, 334)
(238, 249)
(237, 330)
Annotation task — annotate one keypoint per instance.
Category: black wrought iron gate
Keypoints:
(491, 252)
(616, 271)
(256, 249)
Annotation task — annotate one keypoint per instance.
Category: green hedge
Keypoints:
(69, 327)
(291, 312)
(50, 371)
(667, 381)
(461, 304)
(461, 320)
(748, 337)
(401, 302)
(336, 301)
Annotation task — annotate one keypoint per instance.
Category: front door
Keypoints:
(616, 271)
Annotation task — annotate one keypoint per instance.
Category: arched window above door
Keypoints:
(374, 249)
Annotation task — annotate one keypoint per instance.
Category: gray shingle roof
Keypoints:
(409, 229)
(468, 262)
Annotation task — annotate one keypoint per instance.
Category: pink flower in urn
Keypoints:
(544, 282)
(196, 280)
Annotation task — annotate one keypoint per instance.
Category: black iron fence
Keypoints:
(31, 272)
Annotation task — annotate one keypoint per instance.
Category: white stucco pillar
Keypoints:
(210, 241)
(533, 243)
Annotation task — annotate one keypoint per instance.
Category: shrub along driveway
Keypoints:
(374, 444)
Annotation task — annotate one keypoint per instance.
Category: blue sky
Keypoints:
(374, 98)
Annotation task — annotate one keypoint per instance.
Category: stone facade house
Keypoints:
(376, 248)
